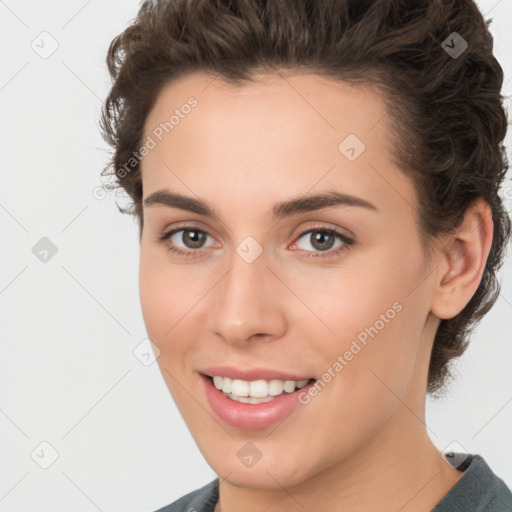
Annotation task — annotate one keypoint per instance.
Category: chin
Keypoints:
(267, 477)
(277, 466)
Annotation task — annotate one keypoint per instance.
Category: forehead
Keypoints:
(333, 104)
(287, 132)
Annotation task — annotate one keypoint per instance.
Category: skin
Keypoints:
(362, 442)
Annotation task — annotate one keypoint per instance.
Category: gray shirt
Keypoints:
(477, 490)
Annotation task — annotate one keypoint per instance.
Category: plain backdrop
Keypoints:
(84, 424)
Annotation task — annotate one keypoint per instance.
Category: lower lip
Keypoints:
(251, 416)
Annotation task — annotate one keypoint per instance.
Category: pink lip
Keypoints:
(250, 374)
(251, 416)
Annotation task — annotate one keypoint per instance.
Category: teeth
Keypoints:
(275, 387)
(256, 391)
(257, 388)
(250, 399)
(239, 388)
(217, 381)
(289, 386)
(227, 385)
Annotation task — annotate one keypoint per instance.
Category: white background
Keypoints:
(69, 326)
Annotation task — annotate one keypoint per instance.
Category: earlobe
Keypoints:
(462, 262)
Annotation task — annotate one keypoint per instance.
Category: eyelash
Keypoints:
(330, 253)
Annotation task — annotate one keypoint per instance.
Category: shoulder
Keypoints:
(200, 500)
(477, 490)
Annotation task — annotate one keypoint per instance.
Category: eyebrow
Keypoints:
(279, 211)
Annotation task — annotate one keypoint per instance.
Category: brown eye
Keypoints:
(185, 241)
(323, 240)
(193, 239)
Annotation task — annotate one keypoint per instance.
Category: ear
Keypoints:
(462, 260)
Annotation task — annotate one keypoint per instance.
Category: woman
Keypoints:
(316, 184)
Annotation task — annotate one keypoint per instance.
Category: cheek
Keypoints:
(164, 296)
(173, 301)
(163, 287)
(154, 301)
(375, 319)
(164, 302)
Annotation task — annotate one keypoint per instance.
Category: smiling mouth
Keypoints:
(256, 391)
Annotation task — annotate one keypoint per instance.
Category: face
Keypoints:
(333, 295)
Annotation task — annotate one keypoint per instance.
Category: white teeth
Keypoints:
(227, 385)
(258, 388)
(256, 391)
(239, 387)
(250, 399)
(275, 387)
(289, 386)
(302, 383)
(217, 381)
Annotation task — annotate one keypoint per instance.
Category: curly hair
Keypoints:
(445, 109)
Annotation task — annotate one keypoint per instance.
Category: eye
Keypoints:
(192, 237)
(322, 240)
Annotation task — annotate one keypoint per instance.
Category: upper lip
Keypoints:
(251, 374)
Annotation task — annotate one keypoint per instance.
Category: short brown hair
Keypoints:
(446, 110)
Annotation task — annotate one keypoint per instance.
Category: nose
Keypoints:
(248, 303)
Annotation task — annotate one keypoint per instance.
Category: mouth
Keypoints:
(253, 404)
(256, 391)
